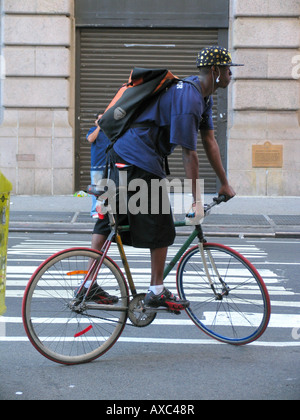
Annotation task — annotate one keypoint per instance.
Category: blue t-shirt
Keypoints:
(183, 111)
(98, 149)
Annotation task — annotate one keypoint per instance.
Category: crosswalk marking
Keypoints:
(277, 320)
(183, 341)
(33, 252)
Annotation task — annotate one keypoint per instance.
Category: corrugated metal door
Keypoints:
(105, 59)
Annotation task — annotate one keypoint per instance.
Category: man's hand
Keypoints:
(227, 191)
(195, 214)
(99, 118)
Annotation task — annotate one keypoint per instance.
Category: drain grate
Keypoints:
(40, 216)
(286, 220)
(236, 219)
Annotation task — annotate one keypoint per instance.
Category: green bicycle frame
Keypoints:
(197, 232)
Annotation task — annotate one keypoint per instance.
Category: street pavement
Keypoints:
(266, 369)
(241, 216)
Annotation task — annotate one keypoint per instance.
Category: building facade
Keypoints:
(53, 51)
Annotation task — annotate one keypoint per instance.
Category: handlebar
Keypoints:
(220, 199)
(216, 201)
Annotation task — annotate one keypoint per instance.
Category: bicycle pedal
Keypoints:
(149, 309)
(176, 312)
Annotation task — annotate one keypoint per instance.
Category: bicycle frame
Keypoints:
(197, 232)
(115, 234)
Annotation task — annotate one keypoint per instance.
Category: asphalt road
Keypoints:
(166, 361)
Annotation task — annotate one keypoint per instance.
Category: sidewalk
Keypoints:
(242, 216)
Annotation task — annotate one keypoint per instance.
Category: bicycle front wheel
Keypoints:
(61, 330)
(228, 298)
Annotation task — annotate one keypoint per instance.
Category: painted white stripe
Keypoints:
(277, 320)
(267, 275)
(117, 259)
(175, 341)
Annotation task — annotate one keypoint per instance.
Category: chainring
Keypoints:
(137, 312)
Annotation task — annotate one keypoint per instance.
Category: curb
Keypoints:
(218, 231)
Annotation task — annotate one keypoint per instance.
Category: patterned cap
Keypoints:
(215, 56)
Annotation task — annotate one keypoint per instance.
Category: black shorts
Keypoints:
(148, 208)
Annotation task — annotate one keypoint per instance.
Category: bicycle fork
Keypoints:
(225, 287)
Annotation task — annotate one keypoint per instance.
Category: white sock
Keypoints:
(156, 289)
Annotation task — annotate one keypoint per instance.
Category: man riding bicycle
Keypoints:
(184, 110)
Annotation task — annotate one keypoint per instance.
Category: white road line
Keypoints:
(277, 320)
(176, 341)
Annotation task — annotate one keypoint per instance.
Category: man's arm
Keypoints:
(212, 150)
(191, 166)
(92, 137)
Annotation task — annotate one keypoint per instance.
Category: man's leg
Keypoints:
(98, 241)
(157, 294)
(96, 294)
(158, 260)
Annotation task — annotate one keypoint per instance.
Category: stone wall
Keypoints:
(264, 104)
(36, 134)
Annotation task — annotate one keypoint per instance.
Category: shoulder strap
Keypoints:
(192, 83)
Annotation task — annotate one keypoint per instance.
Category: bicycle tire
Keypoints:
(55, 329)
(238, 318)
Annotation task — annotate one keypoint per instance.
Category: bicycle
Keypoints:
(228, 298)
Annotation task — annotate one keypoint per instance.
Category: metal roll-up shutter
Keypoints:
(106, 57)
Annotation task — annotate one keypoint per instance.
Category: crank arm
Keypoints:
(149, 310)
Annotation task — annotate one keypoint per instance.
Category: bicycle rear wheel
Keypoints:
(58, 328)
(236, 308)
